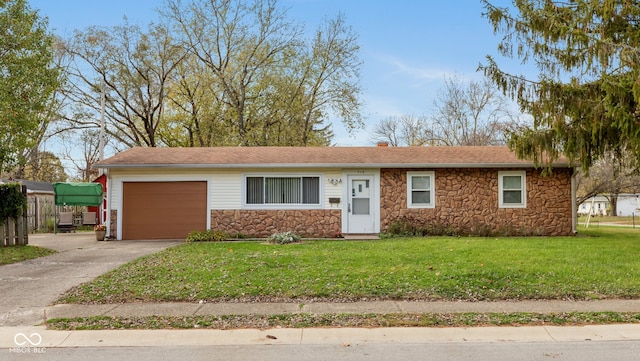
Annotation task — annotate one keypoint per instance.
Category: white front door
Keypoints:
(360, 208)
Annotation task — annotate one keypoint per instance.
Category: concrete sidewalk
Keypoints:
(379, 307)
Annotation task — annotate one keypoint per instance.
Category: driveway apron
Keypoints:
(28, 287)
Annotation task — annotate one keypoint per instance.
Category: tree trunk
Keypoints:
(613, 201)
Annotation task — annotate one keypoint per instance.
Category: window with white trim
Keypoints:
(512, 187)
(282, 190)
(421, 189)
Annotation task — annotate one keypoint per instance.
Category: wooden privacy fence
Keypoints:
(15, 232)
(41, 212)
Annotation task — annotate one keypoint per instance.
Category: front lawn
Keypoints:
(15, 254)
(600, 263)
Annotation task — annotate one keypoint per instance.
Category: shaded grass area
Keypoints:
(15, 254)
(601, 263)
(306, 320)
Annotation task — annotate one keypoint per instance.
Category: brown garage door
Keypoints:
(163, 210)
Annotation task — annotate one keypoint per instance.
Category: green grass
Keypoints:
(601, 263)
(305, 320)
(609, 219)
(15, 254)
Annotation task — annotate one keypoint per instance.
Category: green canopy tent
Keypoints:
(77, 194)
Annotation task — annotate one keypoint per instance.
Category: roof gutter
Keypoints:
(327, 165)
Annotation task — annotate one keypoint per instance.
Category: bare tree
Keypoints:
(405, 130)
(330, 70)
(471, 113)
(388, 130)
(263, 83)
(474, 113)
(133, 68)
(193, 106)
(83, 152)
(219, 33)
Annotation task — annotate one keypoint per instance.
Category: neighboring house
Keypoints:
(596, 205)
(156, 193)
(40, 200)
(628, 205)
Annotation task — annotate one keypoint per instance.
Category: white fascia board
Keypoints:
(329, 165)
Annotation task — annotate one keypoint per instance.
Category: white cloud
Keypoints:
(418, 73)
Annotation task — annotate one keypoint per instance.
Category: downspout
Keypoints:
(574, 210)
(108, 210)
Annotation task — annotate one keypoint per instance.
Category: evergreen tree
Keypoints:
(585, 101)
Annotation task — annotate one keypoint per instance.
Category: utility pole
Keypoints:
(103, 216)
(102, 104)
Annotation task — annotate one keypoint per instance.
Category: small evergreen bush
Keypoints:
(207, 236)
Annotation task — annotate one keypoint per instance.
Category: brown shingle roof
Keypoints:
(362, 157)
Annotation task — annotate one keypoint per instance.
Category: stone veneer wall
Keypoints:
(263, 223)
(467, 199)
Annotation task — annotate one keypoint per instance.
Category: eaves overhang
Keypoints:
(327, 165)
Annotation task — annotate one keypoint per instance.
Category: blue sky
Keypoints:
(408, 47)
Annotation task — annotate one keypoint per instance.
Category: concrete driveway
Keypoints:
(26, 288)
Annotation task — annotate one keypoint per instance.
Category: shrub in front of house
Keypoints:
(284, 238)
(408, 226)
(405, 227)
(207, 236)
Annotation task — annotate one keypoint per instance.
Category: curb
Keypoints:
(39, 336)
